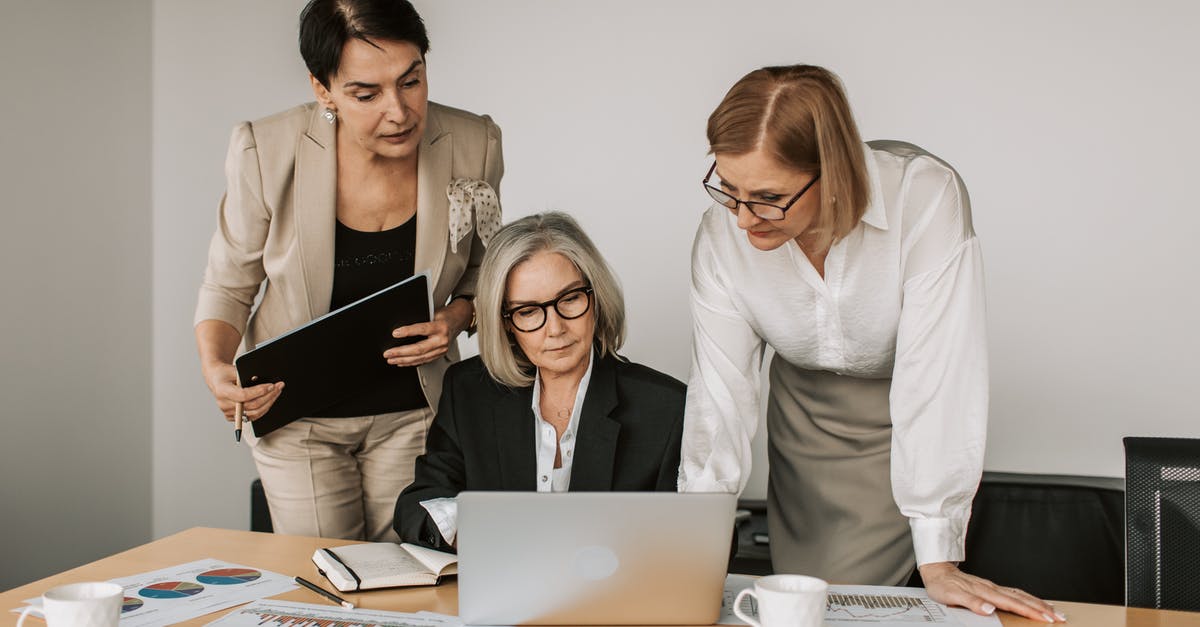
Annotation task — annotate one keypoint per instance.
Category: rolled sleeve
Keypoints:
(444, 514)
(938, 539)
(235, 272)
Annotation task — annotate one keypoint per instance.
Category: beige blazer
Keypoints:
(276, 222)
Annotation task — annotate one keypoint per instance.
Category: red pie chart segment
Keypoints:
(171, 590)
(228, 576)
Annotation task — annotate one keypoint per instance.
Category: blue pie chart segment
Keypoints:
(171, 590)
(228, 576)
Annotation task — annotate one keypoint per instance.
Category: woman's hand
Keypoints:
(217, 341)
(221, 378)
(447, 323)
(947, 584)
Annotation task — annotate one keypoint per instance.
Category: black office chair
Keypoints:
(753, 555)
(1162, 508)
(260, 514)
(1057, 537)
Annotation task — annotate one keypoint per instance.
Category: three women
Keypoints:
(858, 265)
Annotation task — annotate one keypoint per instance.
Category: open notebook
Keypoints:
(383, 565)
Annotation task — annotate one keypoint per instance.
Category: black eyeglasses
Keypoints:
(764, 210)
(569, 305)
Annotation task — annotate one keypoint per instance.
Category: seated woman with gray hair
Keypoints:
(548, 405)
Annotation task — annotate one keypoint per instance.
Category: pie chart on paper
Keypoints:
(228, 576)
(171, 590)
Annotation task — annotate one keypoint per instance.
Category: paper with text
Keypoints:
(881, 605)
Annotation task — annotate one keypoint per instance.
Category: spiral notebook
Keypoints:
(337, 355)
(383, 565)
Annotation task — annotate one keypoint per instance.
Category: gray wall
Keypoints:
(75, 377)
(1070, 121)
(215, 63)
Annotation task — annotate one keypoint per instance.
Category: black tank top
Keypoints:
(364, 263)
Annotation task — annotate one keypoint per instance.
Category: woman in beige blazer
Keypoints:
(329, 202)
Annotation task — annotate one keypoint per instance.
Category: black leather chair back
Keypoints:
(260, 514)
(1057, 537)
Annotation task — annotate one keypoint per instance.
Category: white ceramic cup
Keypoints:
(91, 604)
(785, 601)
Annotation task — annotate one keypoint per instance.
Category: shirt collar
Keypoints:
(876, 214)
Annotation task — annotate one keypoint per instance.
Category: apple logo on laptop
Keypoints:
(596, 562)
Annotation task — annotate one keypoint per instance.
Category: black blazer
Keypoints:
(482, 439)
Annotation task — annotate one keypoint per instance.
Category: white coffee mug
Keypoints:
(785, 601)
(91, 604)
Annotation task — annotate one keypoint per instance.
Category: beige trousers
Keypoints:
(340, 477)
(830, 510)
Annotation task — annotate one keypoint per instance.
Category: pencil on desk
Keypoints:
(325, 593)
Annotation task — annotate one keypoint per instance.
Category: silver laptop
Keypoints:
(592, 558)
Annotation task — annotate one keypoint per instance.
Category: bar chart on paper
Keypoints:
(903, 608)
(853, 605)
(291, 614)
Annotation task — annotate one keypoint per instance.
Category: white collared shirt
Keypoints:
(902, 297)
(546, 443)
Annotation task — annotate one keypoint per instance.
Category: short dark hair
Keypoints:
(326, 26)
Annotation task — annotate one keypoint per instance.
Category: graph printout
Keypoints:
(182, 592)
(270, 613)
(880, 605)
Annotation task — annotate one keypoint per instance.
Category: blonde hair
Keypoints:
(799, 114)
(554, 232)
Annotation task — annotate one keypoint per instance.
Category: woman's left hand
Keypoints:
(447, 323)
(947, 584)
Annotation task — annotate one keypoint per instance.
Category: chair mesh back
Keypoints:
(1162, 514)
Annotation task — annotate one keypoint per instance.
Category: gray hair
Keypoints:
(555, 232)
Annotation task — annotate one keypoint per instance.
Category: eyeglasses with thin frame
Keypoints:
(569, 305)
(764, 210)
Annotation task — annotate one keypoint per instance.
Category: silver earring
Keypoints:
(330, 116)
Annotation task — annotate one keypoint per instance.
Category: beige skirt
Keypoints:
(830, 512)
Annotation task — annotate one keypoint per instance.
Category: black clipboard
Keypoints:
(337, 355)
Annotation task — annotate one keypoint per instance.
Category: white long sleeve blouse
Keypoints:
(902, 297)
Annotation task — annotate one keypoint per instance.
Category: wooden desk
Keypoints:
(290, 555)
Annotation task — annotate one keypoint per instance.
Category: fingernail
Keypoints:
(1061, 616)
(988, 608)
(1049, 618)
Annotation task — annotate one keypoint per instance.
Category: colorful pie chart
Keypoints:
(130, 604)
(171, 590)
(228, 576)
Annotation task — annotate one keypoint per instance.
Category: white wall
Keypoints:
(75, 277)
(1072, 123)
(215, 63)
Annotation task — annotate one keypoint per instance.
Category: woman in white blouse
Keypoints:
(859, 266)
